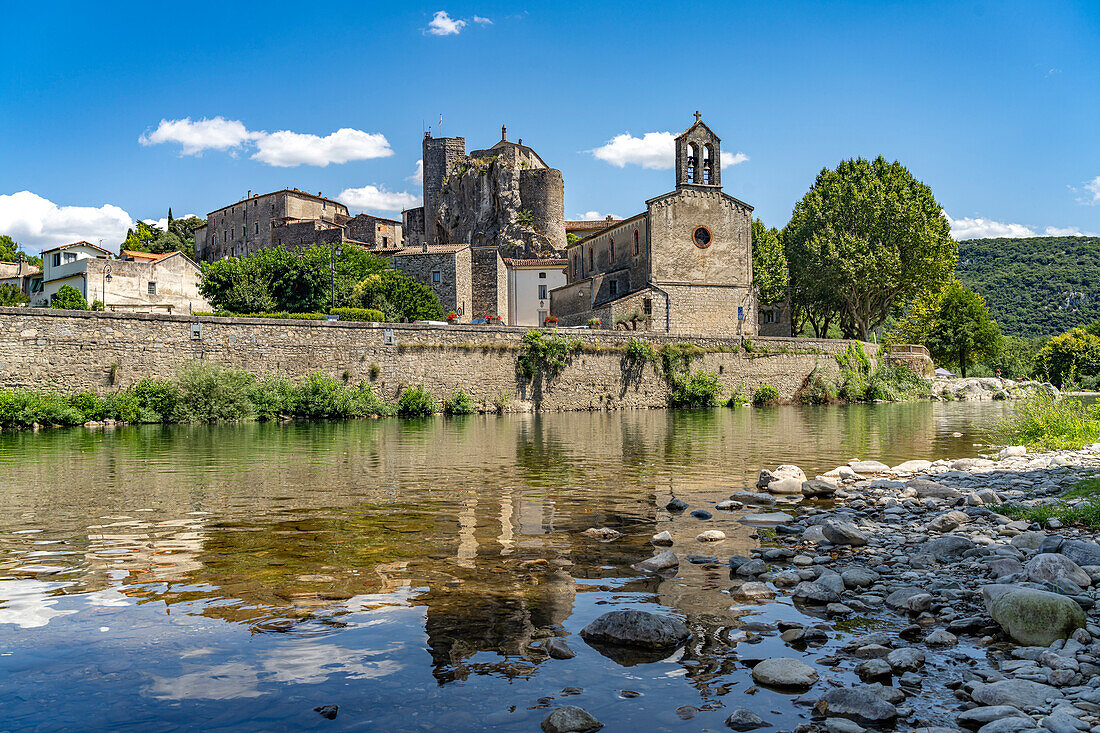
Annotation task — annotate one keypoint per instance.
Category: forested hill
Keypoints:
(1039, 286)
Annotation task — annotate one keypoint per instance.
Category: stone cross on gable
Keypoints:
(697, 115)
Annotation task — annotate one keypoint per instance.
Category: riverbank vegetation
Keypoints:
(1043, 422)
(1080, 505)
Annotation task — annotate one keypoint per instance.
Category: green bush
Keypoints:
(320, 397)
(458, 404)
(359, 314)
(765, 395)
(10, 295)
(815, 390)
(416, 402)
(545, 354)
(273, 397)
(738, 396)
(68, 298)
(640, 350)
(158, 396)
(21, 408)
(211, 392)
(90, 405)
(697, 390)
(1045, 423)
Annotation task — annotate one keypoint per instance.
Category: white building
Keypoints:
(137, 282)
(529, 286)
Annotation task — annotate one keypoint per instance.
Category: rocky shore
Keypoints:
(987, 388)
(980, 622)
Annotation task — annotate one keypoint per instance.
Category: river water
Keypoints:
(234, 577)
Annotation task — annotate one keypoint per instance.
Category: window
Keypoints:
(257, 225)
(70, 257)
(57, 259)
(701, 237)
(591, 259)
(611, 244)
(637, 247)
(647, 306)
(435, 276)
(542, 276)
(213, 239)
(769, 316)
(152, 288)
(613, 287)
(690, 162)
(542, 292)
(385, 242)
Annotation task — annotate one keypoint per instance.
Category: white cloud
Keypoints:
(282, 149)
(377, 198)
(482, 21)
(731, 159)
(1067, 232)
(195, 137)
(1093, 187)
(978, 228)
(285, 149)
(39, 223)
(443, 25)
(593, 216)
(653, 150)
(162, 223)
(418, 175)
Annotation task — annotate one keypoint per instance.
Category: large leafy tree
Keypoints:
(1069, 356)
(866, 237)
(12, 251)
(962, 330)
(178, 236)
(769, 265)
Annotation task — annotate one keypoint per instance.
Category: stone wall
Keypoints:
(82, 349)
(453, 288)
(304, 234)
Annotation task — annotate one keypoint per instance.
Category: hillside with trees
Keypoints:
(1037, 286)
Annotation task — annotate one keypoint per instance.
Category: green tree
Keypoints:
(12, 251)
(866, 237)
(68, 298)
(10, 295)
(960, 330)
(399, 297)
(1069, 356)
(769, 264)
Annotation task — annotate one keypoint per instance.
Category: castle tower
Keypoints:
(699, 157)
(439, 154)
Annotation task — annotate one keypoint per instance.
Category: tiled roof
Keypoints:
(590, 223)
(77, 244)
(548, 262)
(151, 257)
(430, 249)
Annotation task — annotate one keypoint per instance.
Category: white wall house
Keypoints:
(529, 286)
(136, 282)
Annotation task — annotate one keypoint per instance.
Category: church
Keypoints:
(682, 266)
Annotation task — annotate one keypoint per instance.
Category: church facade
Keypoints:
(682, 266)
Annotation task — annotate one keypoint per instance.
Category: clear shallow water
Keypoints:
(235, 577)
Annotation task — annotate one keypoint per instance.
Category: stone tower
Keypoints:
(698, 157)
(439, 155)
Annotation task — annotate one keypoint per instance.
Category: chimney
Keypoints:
(249, 193)
(520, 141)
(503, 133)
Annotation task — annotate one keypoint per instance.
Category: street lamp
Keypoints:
(337, 250)
(103, 286)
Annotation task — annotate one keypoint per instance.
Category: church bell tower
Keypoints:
(699, 157)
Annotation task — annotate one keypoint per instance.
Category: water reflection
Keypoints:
(215, 564)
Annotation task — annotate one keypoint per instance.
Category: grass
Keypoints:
(1042, 422)
(1079, 505)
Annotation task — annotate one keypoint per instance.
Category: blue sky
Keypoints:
(994, 104)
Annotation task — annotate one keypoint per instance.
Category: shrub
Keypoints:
(374, 371)
(211, 392)
(369, 315)
(698, 390)
(158, 396)
(640, 350)
(272, 398)
(502, 401)
(68, 298)
(593, 323)
(123, 406)
(632, 319)
(550, 321)
(458, 404)
(97, 305)
(814, 390)
(320, 397)
(10, 295)
(545, 354)
(20, 408)
(1046, 423)
(90, 405)
(738, 397)
(747, 345)
(765, 395)
(416, 402)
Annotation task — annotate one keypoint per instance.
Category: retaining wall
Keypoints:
(78, 350)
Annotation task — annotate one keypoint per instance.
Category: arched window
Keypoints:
(591, 259)
(707, 169)
(637, 247)
(611, 242)
(691, 162)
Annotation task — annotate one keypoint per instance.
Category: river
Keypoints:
(234, 577)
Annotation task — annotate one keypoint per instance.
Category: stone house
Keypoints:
(136, 282)
(21, 275)
(684, 265)
(445, 268)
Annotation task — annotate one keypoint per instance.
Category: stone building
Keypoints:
(684, 265)
(445, 268)
(250, 224)
(505, 196)
(374, 232)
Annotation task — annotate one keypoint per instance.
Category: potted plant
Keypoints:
(550, 321)
(594, 323)
(452, 317)
(494, 320)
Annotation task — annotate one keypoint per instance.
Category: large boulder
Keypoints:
(785, 486)
(636, 629)
(1020, 694)
(868, 467)
(661, 562)
(1032, 617)
(928, 489)
(1082, 553)
(947, 548)
(841, 532)
(815, 593)
(784, 672)
(1050, 567)
(570, 719)
(899, 598)
(857, 703)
